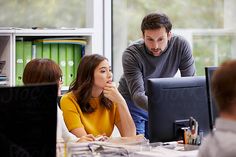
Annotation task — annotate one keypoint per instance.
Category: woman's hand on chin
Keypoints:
(111, 92)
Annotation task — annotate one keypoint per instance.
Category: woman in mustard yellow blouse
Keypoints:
(93, 104)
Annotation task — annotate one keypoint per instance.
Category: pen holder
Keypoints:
(191, 134)
(187, 130)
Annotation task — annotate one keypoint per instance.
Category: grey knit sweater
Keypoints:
(139, 65)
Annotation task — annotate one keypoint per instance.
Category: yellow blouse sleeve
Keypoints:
(70, 112)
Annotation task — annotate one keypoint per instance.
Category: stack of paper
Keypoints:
(118, 146)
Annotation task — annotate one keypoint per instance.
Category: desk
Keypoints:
(131, 148)
(176, 151)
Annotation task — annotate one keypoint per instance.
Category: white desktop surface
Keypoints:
(163, 152)
(132, 148)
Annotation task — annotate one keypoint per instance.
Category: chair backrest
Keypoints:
(28, 119)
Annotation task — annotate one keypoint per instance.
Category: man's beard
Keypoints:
(156, 52)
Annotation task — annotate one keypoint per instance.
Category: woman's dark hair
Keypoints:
(41, 71)
(83, 83)
(156, 21)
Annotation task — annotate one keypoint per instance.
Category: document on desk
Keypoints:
(120, 146)
(163, 152)
(130, 146)
(99, 148)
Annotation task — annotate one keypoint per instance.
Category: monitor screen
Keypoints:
(211, 101)
(172, 101)
(28, 116)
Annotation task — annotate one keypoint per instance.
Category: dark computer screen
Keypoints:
(211, 101)
(174, 100)
(28, 116)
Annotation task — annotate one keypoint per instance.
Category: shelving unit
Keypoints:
(6, 54)
(97, 32)
(8, 44)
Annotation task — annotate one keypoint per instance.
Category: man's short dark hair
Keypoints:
(156, 21)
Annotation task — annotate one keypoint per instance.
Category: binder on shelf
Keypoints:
(82, 51)
(46, 51)
(64, 41)
(33, 51)
(65, 51)
(62, 62)
(54, 53)
(77, 57)
(38, 50)
(27, 52)
(66, 38)
(19, 62)
(70, 63)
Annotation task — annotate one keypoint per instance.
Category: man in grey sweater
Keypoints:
(159, 54)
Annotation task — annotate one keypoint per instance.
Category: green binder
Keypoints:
(62, 62)
(77, 57)
(33, 51)
(19, 62)
(27, 52)
(54, 53)
(70, 63)
(39, 49)
(46, 51)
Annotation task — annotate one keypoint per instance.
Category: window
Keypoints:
(209, 27)
(43, 13)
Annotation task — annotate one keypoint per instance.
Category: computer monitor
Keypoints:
(28, 119)
(171, 102)
(211, 100)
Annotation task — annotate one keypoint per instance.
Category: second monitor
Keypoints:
(176, 99)
(211, 100)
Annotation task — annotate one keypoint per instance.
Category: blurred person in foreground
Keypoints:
(221, 142)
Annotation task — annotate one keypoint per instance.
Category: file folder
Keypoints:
(33, 51)
(27, 50)
(77, 57)
(46, 51)
(70, 63)
(39, 49)
(82, 50)
(63, 41)
(62, 62)
(19, 62)
(54, 53)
